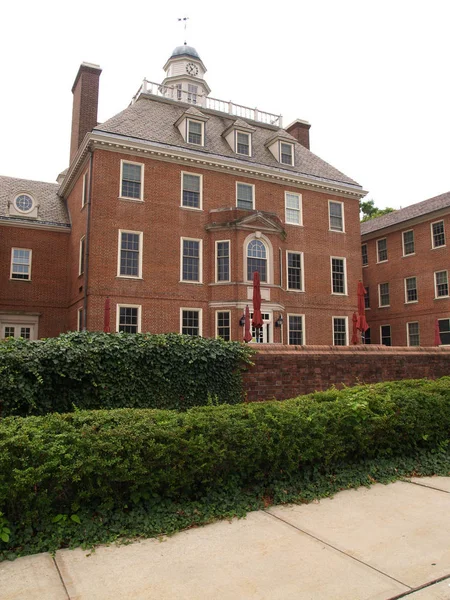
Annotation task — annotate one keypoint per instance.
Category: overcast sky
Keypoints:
(371, 78)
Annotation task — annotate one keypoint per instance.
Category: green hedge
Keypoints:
(57, 463)
(98, 370)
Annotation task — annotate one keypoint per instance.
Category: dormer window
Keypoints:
(195, 132)
(242, 143)
(23, 205)
(286, 153)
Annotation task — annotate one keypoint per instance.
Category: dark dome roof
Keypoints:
(185, 50)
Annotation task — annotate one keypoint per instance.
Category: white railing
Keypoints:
(237, 110)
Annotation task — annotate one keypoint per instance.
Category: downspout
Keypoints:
(88, 230)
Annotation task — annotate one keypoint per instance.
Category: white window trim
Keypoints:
(407, 333)
(433, 247)
(80, 318)
(379, 296)
(131, 162)
(216, 271)
(302, 270)
(11, 266)
(390, 332)
(345, 275)
(378, 253)
(253, 194)
(403, 243)
(200, 264)
(141, 248)
(367, 254)
(183, 173)
(446, 345)
(406, 290)
(202, 131)
(269, 248)
(303, 327)
(200, 318)
(119, 306)
(80, 252)
(217, 321)
(83, 195)
(14, 320)
(249, 135)
(436, 297)
(346, 328)
(342, 213)
(19, 210)
(300, 208)
(292, 153)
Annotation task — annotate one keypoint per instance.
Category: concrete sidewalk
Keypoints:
(380, 543)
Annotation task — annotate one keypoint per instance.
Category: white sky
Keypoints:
(372, 79)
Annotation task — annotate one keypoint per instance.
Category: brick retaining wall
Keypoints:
(282, 372)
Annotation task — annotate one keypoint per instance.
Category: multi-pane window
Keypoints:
(243, 143)
(340, 331)
(223, 325)
(21, 264)
(17, 331)
(444, 331)
(295, 330)
(438, 234)
(286, 153)
(256, 260)
(365, 257)
(338, 278)
(366, 338)
(131, 180)
(82, 255)
(293, 208)
(382, 250)
(192, 94)
(408, 242)
(179, 89)
(336, 215)
(294, 271)
(24, 203)
(130, 259)
(223, 260)
(191, 197)
(367, 298)
(413, 334)
(191, 260)
(411, 289)
(190, 322)
(195, 132)
(441, 283)
(128, 319)
(385, 335)
(383, 289)
(244, 195)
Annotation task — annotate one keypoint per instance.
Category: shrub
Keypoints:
(97, 370)
(52, 464)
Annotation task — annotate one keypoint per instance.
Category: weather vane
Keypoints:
(185, 24)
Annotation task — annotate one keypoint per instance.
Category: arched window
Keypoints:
(257, 260)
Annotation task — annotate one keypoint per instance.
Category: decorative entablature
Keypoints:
(234, 218)
(239, 137)
(153, 150)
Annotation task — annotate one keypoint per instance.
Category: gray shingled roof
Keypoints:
(52, 210)
(153, 120)
(405, 214)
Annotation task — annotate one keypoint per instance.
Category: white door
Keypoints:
(264, 334)
(17, 330)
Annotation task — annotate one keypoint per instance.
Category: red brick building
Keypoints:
(168, 208)
(405, 266)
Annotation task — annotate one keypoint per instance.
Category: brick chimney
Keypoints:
(85, 104)
(300, 130)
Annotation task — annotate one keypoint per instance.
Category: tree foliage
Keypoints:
(369, 211)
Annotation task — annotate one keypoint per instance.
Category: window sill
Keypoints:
(294, 224)
(441, 298)
(336, 230)
(130, 199)
(338, 294)
(191, 282)
(229, 282)
(380, 262)
(438, 247)
(191, 208)
(385, 306)
(365, 266)
(129, 277)
(18, 279)
(297, 291)
(412, 302)
(408, 255)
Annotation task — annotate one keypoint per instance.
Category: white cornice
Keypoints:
(113, 143)
(34, 225)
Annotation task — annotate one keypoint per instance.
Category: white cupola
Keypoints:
(184, 73)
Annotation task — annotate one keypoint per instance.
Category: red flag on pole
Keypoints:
(257, 320)
(437, 333)
(355, 339)
(362, 323)
(247, 332)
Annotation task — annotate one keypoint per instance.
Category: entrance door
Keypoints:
(264, 334)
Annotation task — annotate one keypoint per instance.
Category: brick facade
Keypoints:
(280, 373)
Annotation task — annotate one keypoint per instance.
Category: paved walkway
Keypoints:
(380, 543)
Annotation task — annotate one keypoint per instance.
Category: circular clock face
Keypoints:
(192, 69)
